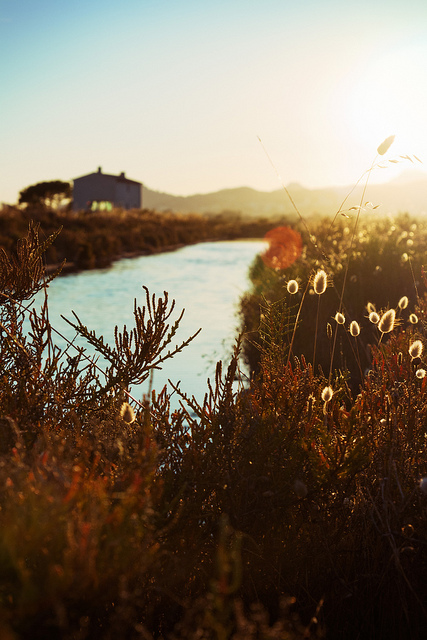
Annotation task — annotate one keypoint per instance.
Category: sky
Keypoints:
(179, 93)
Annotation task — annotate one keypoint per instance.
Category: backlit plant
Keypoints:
(291, 506)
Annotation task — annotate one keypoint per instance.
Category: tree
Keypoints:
(46, 194)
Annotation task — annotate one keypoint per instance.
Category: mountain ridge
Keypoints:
(402, 194)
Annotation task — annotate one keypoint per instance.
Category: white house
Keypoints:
(102, 191)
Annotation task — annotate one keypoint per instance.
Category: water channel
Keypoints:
(207, 280)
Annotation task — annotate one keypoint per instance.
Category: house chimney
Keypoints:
(122, 175)
(99, 169)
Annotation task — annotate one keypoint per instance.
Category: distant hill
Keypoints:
(406, 193)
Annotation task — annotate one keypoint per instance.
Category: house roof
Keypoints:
(120, 178)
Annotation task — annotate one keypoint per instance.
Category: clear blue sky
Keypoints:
(175, 92)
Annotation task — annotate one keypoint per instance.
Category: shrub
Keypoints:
(292, 508)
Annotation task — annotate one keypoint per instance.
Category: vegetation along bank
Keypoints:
(292, 507)
(295, 508)
(95, 239)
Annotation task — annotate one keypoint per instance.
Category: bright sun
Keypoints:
(389, 97)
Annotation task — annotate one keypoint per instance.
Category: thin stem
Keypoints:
(297, 211)
(368, 171)
(315, 332)
(413, 278)
(358, 357)
(70, 343)
(296, 323)
(348, 260)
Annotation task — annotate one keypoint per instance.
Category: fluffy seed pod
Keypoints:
(403, 302)
(354, 328)
(387, 320)
(385, 145)
(329, 330)
(420, 373)
(292, 286)
(327, 394)
(340, 318)
(413, 319)
(127, 413)
(374, 317)
(415, 349)
(320, 282)
(370, 307)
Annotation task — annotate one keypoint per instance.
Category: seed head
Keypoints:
(387, 320)
(320, 282)
(370, 307)
(413, 319)
(329, 330)
(374, 317)
(327, 394)
(385, 145)
(403, 302)
(127, 413)
(423, 485)
(354, 328)
(292, 286)
(420, 373)
(339, 317)
(415, 349)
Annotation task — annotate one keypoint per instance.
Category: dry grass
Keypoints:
(293, 508)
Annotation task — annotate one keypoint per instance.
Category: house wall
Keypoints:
(95, 186)
(101, 187)
(127, 194)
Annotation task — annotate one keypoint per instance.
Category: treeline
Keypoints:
(94, 240)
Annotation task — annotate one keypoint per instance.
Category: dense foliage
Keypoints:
(294, 508)
(378, 264)
(92, 240)
(45, 195)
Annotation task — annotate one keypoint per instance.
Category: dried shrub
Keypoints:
(293, 507)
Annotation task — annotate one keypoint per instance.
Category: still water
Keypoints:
(207, 280)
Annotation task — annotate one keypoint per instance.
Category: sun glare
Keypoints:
(387, 97)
